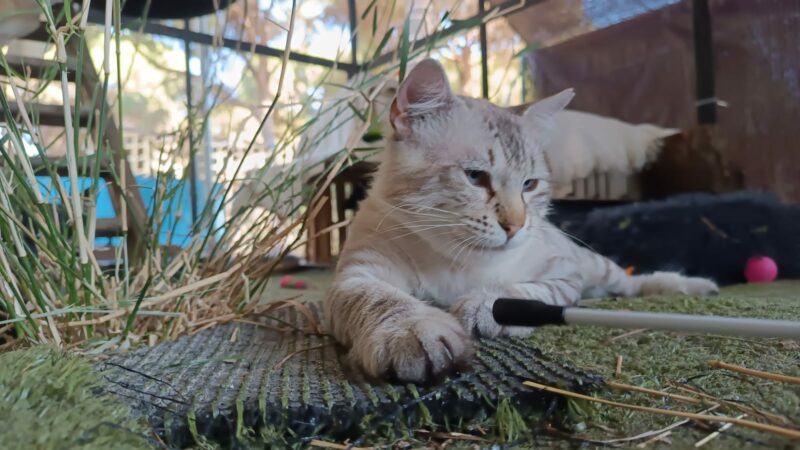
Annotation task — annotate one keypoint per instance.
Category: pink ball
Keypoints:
(286, 281)
(761, 269)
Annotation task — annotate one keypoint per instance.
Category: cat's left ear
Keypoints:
(424, 92)
(541, 115)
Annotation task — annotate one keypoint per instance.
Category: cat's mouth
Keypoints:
(492, 247)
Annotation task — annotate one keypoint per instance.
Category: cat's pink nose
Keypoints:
(510, 229)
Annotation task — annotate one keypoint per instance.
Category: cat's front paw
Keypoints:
(474, 311)
(422, 348)
(664, 283)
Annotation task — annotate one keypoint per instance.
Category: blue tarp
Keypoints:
(175, 212)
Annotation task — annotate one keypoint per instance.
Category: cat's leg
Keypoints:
(560, 285)
(392, 334)
(603, 277)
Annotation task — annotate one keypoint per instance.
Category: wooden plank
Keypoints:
(339, 189)
(322, 242)
(37, 68)
(49, 115)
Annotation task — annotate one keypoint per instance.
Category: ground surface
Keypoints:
(654, 359)
(51, 402)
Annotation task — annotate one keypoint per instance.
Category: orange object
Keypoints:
(629, 270)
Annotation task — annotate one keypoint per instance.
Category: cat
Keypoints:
(456, 218)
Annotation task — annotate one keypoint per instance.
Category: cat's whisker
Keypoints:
(473, 246)
(456, 242)
(466, 245)
(445, 232)
(461, 240)
(395, 208)
(429, 208)
(571, 236)
(422, 214)
(428, 227)
(416, 222)
(378, 227)
(421, 228)
(421, 223)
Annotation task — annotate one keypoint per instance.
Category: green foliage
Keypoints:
(51, 400)
(509, 423)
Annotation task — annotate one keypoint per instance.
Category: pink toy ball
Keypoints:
(760, 269)
(286, 281)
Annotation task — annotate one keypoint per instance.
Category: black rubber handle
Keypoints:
(526, 313)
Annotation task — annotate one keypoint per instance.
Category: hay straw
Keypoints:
(655, 434)
(755, 373)
(775, 418)
(55, 296)
(297, 352)
(72, 154)
(454, 435)
(653, 392)
(785, 432)
(333, 445)
(715, 434)
(153, 301)
(21, 156)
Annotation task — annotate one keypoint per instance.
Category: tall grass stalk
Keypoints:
(52, 288)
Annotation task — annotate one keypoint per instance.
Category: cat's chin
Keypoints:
(518, 241)
(507, 245)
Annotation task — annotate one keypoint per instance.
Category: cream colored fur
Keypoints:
(585, 143)
(436, 243)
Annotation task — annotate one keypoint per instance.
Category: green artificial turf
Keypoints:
(51, 400)
(652, 359)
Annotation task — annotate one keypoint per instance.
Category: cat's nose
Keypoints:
(510, 229)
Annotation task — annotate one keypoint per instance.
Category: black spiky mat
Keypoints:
(698, 234)
(237, 379)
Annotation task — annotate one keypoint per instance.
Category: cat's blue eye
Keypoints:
(530, 184)
(477, 177)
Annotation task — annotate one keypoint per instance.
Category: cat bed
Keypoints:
(224, 383)
(697, 234)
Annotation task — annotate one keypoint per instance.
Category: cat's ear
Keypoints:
(425, 91)
(541, 115)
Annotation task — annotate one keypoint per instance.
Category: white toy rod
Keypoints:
(534, 313)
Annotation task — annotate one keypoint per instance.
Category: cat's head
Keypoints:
(464, 170)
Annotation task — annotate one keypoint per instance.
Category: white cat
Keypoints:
(456, 218)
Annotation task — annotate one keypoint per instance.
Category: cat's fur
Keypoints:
(434, 244)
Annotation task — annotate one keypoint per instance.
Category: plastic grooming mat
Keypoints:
(223, 381)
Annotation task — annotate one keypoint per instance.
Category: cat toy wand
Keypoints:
(533, 313)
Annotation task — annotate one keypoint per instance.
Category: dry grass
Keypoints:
(52, 288)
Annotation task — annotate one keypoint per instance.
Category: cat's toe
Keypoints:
(667, 283)
(420, 349)
(430, 351)
(701, 286)
(475, 314)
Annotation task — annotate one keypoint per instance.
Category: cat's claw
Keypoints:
(422, 348)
